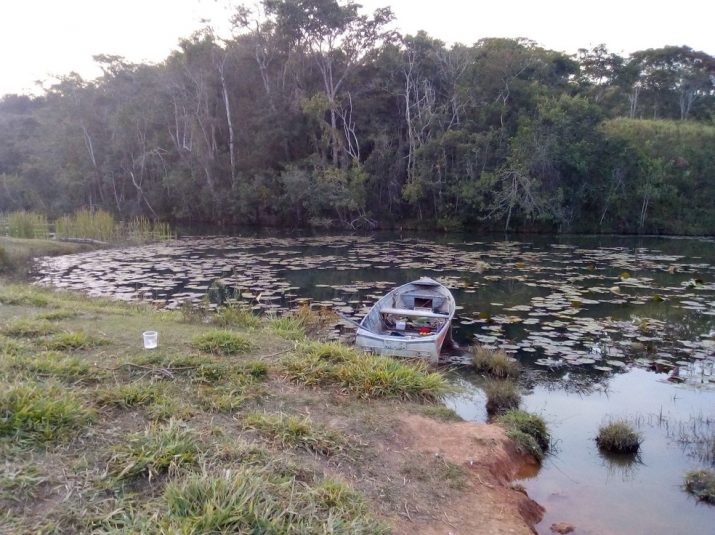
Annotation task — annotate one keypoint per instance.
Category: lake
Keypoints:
(606, 327)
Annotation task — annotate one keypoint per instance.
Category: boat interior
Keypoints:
(412, 312)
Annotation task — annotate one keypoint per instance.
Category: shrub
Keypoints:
(495, 363)
(618, 437)
(502, 395)
(701, 484)
(157, 450)
(222, 342)
(41, 413)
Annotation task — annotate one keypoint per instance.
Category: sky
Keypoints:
(40, 39)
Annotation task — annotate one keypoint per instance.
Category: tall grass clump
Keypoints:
(40, 413)
(70, 341)
(87, 224)
(293, 432)
(54, 364)
(27, 328)
(701, 484)
(23, 224)
(502, 396)
(528, 431)
(365, 376)
(259, 499)
(141, 230)
(495, 363)
(158, 450)
(618, 437)
(236, 315)
(222, 343)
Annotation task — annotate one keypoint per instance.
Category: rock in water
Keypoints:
(562, 527)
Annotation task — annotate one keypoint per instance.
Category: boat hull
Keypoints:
(426, 347)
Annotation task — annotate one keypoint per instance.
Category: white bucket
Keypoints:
(150, 339)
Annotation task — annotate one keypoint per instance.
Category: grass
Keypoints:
(364, 376)
(701, 484)
(293, 432)
(54, 364)
(302, 322)
(158, 450)
(236, 316)
(222, 343)
(28, 328)
(441, 413)
(24, 224)
(41, 413)
(71, 341)
(495, 363)
(257, 500)
(502, 396)
(618, 437)
(528, 431)
(138, 394)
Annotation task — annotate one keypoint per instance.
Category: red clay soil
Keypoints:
(488, 504)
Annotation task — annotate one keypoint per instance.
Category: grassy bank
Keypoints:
(16, 254)
(221, 428)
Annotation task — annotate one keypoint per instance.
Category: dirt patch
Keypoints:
(486, 503)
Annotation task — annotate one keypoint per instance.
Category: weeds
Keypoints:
(365, 376)
(291, 431)
(26, 328)
(40, 413)
(158, 450)
(502, 396)
(70, 341)
(618, 437)
(495, 363)
(701, 484)
(528, 431)
(222, 343)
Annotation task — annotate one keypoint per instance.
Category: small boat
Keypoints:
(412, 320)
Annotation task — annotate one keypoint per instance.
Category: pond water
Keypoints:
(606, 327)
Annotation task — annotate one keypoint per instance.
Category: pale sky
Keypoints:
(42, 38)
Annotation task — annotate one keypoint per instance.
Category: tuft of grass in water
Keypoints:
(365, 376)
(528, 431)
(158, 450)
(619, 437)
(24, 224)
(236, 316)
(259, 500)
(495, 363)
(41, 413)
(294, 432)
(222, 343)
(26, 328)
(701, 484)
(71, 341)
(87, 224)
(502, 396)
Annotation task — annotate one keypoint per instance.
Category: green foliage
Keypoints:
(222, 343)
(236, 316)
(701, 484)
(618, 437)
(24, 224)
(156, 451)
(293, 432)
(27, 328)
(502, 396)
(70, 341)
(495, 363)
(258, 498)
(364, 376)
(529, 431)
(41, 413)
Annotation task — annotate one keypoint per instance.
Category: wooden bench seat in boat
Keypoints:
(413, 313)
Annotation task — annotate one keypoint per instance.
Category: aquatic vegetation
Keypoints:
(530, 424)
(619, 437)
(23, 224)
(502, 395)
(495, 363)
(701, 484)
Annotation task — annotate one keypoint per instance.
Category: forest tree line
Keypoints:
(316, 114)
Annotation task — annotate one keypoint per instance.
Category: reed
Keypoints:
(23, 224)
